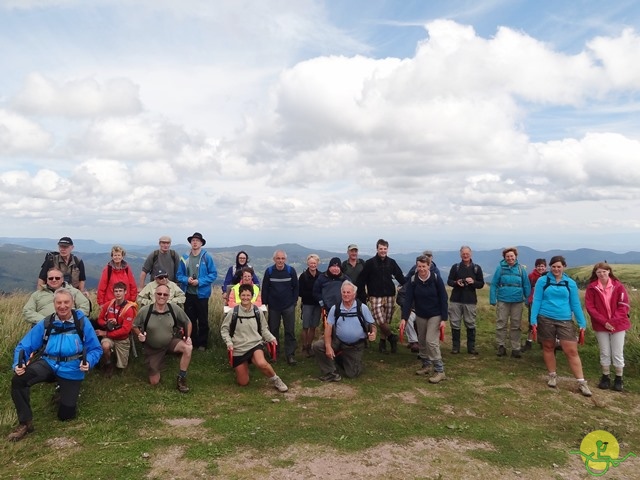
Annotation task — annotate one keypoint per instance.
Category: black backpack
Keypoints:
(177, 332)
(366, 327)
(234, 320)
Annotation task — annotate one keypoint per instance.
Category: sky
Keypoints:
(431, 124)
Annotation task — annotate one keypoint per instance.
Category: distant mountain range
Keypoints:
(21, 258)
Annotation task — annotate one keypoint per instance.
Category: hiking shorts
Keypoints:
(154, 357)
(549, 329)
(121, 349)
(311, 316)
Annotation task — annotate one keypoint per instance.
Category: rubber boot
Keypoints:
(455, 340)
(471, 341)
(382, 346)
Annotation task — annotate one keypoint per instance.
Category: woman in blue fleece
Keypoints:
(555, 299)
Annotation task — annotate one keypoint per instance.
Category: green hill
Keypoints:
(626, 273)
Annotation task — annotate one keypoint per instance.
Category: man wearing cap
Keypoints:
(196, 274)
(326, 290)
(165, 259)
(352, 267)
(72, 267)
(147, 294)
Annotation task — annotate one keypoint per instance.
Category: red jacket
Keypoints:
(597, 309)
(122, 316)
(107, 281)
(533, 278)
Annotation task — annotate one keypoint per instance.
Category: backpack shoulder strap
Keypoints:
(256, 313)
(234, 321)
(173, 315)
(147, 317)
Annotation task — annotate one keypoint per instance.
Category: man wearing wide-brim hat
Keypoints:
(196, 274)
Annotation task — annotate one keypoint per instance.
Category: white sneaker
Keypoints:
(280, 385)
(553, 380)
(584, 389)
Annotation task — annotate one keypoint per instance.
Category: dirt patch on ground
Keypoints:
(187, 428)
(170, 463)
(424, 459)
(62, 443)
(323, 390)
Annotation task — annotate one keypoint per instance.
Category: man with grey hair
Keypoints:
(349, 326)
(165, 259)
(465, 277)
(280, 294)
(65, 348)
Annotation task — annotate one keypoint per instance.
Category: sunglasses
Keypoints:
(162, 294)
(54, 278)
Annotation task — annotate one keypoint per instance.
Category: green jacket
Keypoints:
(40, 303)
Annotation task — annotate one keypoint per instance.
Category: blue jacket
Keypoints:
(509, 284)
(280, 288)
(61, 344)
(207, 274)
(557, 301)
(428, 298)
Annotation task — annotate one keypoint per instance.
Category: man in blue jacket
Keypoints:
(280, 293)
(196, 274)
(69, 348)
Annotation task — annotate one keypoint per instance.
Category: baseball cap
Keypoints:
(65, 241)
(353, 246)
(161, 273)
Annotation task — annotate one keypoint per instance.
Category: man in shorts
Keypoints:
(114, 325)
(163, 328)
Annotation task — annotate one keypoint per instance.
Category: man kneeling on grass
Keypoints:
(164, 328)
(244, 330)
(349, 325)
(68, 346)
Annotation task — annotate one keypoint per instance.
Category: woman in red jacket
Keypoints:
(117, 270)
(607, 303)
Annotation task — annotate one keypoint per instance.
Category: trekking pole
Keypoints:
(21, 359)
(534, 333)
(83, 359)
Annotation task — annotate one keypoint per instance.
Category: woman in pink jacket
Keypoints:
(607, 303)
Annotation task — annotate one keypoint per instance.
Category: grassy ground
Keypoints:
(492, 417)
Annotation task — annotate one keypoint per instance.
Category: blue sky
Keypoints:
(429, 123)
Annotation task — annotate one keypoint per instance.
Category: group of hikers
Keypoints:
(353, 300)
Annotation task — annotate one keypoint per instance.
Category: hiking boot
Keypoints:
(291, 360)
(455, 350)
(584, 389)
(618, 384)
(553, 380)
(331, 377)
(280, 385)
(182, 384)
(393, 341)
(108, 370)
(471, 341)
(516, 354)
(424, 370)
(20, 432)
(382, 346)
(501, 351)
(438, 377)
(605, 382)
(472, 351)
(528, 345)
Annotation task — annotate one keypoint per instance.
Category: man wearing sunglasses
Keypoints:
(40, 303)
(163, 328)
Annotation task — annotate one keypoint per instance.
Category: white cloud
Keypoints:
(77, 98)
(21, 135)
